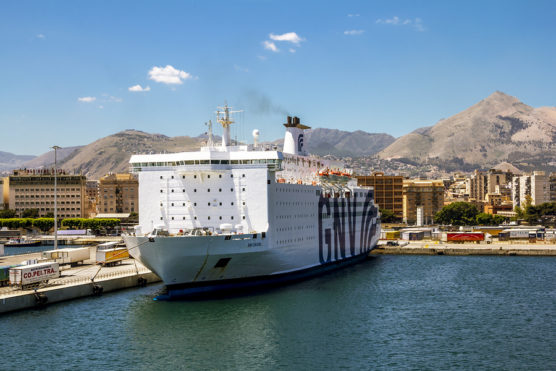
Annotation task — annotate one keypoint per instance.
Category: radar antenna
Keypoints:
(210, 141)
(223, 117)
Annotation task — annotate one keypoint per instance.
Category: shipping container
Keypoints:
(109, 254)
(390, 235)
(68, 256)
(461, 237)
(26, 275)
(413, 236)
(522, 234)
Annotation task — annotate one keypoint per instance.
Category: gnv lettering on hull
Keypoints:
(332, 241)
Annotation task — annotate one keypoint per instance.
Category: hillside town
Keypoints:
(503, 191)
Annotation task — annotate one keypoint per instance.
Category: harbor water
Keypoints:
(390, 312)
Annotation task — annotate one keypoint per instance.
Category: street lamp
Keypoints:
(56, 148)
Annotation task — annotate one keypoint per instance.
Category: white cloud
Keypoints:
(291, 37)
(139, 88)
(87, 99)
(353, 32)
(261, 57)
(41, 36)
(168, 75)
(100, 107)
(416, 23)
(353, 15)
(291, 50)
(269, 45)
(115, 99)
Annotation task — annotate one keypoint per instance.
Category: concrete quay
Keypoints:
(432, 248)
(80, 281)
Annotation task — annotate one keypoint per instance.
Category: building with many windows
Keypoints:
(34, 189)
(118, 193)
(534, 187)
(422, 199)
(388, 191)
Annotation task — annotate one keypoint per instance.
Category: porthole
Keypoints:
(209, 218)
(209, 203)
(219, 189)
(208, 190)
(220, 175)
(208, 176)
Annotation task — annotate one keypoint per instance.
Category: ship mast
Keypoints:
(223, 117)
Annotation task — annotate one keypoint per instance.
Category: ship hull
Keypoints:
(211, 265)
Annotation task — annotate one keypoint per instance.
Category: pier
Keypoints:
(83, 280)
(433, 248)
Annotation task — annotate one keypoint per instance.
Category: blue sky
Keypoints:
(70, 69)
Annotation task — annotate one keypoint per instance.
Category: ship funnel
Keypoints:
(293, 141)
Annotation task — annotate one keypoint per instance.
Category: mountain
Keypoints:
(9, 161)
(112, 153)
(47, 159)
(342, 143)
(497, 129)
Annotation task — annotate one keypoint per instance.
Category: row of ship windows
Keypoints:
(326, 216)
(293, 240)
(208, 190)
(294, 228)
(206, 162)
(195, 204)
(208, 176)
(195, 218)
(295, 216)
(284, 203)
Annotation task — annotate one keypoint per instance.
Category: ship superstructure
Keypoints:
(231, 216)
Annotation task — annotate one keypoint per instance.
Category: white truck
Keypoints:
(68, 256)
(25, 276)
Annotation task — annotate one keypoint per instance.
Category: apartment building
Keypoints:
(388, 191)
(535, 186)
(34, 189)
(422, 199)
(118, 193)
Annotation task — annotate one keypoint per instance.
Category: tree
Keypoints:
(484, 219)
(49, 214)
(457, 213)
(44, 224)
(7, 214)
(489, 219)
(30, 213)
(388, 216)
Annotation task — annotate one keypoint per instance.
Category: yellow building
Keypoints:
(118, 193)
(34, 189)
(422, 199)
(388, 191)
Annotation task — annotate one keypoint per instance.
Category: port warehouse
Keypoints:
(473, 234)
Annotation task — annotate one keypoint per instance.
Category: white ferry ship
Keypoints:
(238, 216)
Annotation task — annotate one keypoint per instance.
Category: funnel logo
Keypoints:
(300, 143)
